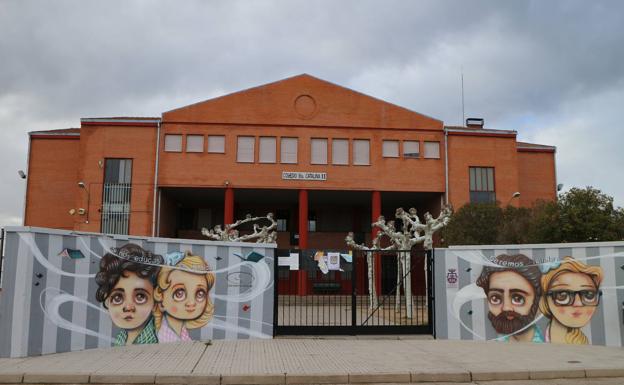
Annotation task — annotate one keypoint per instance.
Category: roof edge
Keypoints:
(309, 76)
(120, 120)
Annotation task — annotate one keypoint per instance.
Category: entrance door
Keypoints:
(326, 296)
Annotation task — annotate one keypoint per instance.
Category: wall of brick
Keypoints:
(537, 176)
(482, 151)
(101, 141)
(52, 182)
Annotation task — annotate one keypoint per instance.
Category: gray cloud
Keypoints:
(524, 62)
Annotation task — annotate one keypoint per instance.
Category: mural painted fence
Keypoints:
(560, 293)
(65, 291)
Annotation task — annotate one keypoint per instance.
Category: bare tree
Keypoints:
(413, 233)
(230, 233)
(372, 291)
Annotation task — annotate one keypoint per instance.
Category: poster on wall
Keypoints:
(569, 297)
(126, 292)
(327, 261)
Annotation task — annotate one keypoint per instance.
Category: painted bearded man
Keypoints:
(513, 292)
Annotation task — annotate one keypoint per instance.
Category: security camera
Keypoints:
(82, 211)
(22, 174)
(81, 184)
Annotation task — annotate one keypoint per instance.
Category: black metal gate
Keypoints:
(322, 296)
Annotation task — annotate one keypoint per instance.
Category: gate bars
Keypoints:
(338, 302)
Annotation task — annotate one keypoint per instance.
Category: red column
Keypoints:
(376, 212)
(303, 239)
(228, 212)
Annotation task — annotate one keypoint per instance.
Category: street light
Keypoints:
(513, 196)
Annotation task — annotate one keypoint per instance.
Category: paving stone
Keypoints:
(190, 379)
(317, 378)
(604, 372)
(379, 378)
(545, 374)
(8, 378)
(56, 378)
(253, 379)
(499, 375)
(448, 376)
(119, 378)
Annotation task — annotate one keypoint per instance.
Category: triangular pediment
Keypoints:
(302, 100)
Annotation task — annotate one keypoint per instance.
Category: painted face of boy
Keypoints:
(187, 295)
(130, 303)
(579, 285)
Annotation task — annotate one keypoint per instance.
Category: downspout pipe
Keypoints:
(155, 206)
(446, 170)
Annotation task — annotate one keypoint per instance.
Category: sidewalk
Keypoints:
(336, 361)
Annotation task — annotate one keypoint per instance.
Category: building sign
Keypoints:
(296, 175)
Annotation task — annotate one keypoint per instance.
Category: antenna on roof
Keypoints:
(462, 95)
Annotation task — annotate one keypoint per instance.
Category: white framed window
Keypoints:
(194, 143)
(411, 149)
(340, 151)
(245, 151)
(361, 152)
(319, 151)
(432, 150)
(288, 150)
(216, 144)
(173, 143)
(390, 148)
(268, 150)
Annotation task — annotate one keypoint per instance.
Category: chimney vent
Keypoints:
(475, 122)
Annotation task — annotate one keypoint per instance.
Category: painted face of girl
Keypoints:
(130, 303)
(572, 299)
(187, 295)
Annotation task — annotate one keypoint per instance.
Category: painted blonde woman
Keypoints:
(571, 297)
(182, 296)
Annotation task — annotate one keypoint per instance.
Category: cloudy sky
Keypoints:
(552, 70)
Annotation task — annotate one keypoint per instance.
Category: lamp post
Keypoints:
(513, 196)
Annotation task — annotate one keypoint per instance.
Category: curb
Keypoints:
(450, 375)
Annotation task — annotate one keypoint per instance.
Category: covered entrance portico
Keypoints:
(306, 219)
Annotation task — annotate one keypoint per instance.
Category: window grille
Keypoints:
(116, 196)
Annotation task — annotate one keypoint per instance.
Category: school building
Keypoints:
(324, 159)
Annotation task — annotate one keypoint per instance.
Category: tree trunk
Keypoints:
(397, 295)
(407, 284)
(372, 291)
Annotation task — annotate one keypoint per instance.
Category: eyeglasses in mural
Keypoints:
(551, 300)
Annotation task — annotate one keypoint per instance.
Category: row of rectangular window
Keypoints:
(288, 149)
(195, 143)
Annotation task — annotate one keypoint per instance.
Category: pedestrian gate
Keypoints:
(328, 292)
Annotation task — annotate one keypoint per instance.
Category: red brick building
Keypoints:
(325, 159)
